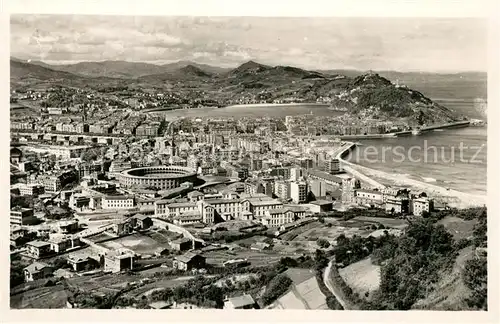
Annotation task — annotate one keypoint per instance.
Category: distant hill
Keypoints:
(464, 85)
(379, 97)
(112, 69)
(125, 69)
(370, 94)
(204, 67)
(188, 73)
(22, 72)
(250, 67)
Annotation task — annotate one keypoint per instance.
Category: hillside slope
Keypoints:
(369, 95)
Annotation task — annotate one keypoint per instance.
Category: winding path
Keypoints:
(334, 290)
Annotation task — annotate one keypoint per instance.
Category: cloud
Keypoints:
(315, 43)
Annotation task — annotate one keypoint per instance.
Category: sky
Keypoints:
(398, 44)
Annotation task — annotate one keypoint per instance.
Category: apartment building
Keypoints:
(421, 205)
(298, 192)
(332, 166)
(282, 189)
(117, 202)
(22, 216)
(259, 206)
(369, 197)
(32, 189)
(281, 216)
(186, 212)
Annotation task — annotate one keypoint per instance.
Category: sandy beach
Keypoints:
(279, 104)
(453, 198)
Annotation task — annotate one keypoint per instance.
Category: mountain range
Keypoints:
(124, 69)
(370, 93)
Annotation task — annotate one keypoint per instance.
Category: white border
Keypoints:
(291, 8)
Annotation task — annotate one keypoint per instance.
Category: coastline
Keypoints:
(291, 104)
(381, 179)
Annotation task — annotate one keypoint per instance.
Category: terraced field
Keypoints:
(362, 276)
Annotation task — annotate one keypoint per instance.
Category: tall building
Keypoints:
(349, 186)
(298, 192)
(296, 174)
(22, 216)
(332, 166)
(282, 189)
(256, 164)
(193, 162)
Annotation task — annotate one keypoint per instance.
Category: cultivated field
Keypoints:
(256, 258)
(137, 242)
(250, 240)
(386, 221)
(235, 279)
(296, 247)
(99, 237)
(43, 297)
(160, 284)
(363, 276)
(458, 227)
(299, 275)
(348, 228)
(305, 295)
(235, 225)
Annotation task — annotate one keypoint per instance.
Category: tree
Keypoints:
(333, 303)
(288, 262)
(215, 294)
(321, 261)
(60, 263)
(322, 243)
(16, 275)
(246, 285)
(278, 286)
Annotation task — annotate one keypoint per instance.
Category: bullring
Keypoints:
(161, 177)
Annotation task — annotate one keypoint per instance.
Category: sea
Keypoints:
(274, 111)
(451, 158)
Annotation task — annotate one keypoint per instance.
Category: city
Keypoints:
(232, 189)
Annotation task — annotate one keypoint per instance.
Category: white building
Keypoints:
(420, 205)
(369, 197)
(117, 202)
(282, 189)
(296, 174)
(185, 212)
(32, 189)
(298, 192)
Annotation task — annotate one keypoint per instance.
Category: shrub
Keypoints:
(322, 243)
(276, 287)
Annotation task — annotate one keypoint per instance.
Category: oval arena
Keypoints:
(162, 177)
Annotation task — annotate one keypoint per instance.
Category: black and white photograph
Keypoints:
(176, 162)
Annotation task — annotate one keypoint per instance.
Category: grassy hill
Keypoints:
(370, 94)
(439, 263)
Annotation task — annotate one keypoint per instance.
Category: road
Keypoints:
(331, 286)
